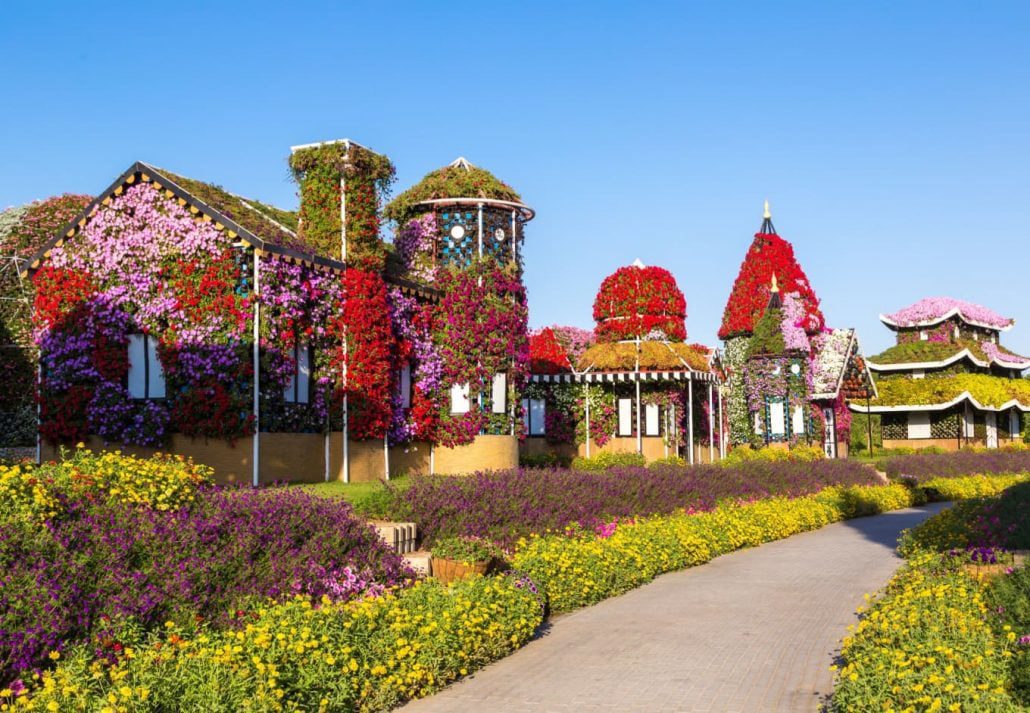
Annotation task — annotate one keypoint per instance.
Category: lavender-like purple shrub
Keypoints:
(504, 505)
(922, 467)
(105, 561)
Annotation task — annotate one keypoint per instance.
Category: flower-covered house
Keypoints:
(173, 315)
(948, 381)
(633, 385)
(789, 376)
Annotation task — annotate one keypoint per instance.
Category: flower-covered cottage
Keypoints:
(173, 315)
(789, 376)
(948, 382)
(632, 386)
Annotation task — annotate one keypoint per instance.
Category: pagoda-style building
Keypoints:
(948, 382)
(790, 376)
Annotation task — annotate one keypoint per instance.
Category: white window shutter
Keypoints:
(460, 398)
(1014, 423)
(798, 420)
(303, 373)
(758, 422)
(651, 420)
(537, 409)
(155, 372)
(137, 366)
(499, 394)
(625, 417)
(777, 419)
(405, 385)
(968, 426)
(918, 374)
(923, 336)
(919, 424)
(289, 391)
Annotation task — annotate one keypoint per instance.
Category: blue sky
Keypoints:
(892, 138)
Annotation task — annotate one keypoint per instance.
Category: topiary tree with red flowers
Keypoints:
(636, 302)
(768, 255)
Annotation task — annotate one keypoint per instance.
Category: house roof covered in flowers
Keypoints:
(930, 311)
(836, 362)
(258, 224)
(768, 255)
(930, 354)
(457, 180)
(938, 393)
(652, 356)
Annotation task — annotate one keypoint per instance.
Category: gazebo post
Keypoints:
(690, 416)
(868, 425)
(640, 439)
(722, 427)
(711, 423)
(586, 405)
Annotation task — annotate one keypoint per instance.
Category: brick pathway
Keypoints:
(751, 631)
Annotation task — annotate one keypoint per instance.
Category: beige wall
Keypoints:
(948, 444)
(485, 453)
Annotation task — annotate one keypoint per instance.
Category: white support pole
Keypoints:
(514, 257)
(39, 410)
(722, 428)
(432, 459)
(256, 354)
(665, 437)
(586, 401)
(386, 455)
(480, 230)
(640, 437)
(711, 423)
(674, 428)
(690, 418)
(343, 258)
(325, 455)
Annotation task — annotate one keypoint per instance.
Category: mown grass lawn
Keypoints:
(352, 492)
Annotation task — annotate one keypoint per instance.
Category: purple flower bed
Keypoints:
(505, 505)
(103, 563)
(922, 467)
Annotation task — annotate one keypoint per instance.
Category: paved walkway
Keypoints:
(751, 631)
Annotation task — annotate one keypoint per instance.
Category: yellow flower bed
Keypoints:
(972, 486)
(925, 645)
(162, 482)
(585, 568)
(359, 656)
(745, 454)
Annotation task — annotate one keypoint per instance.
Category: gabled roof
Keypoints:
(931, 311)
(835, 353)
(262, 226)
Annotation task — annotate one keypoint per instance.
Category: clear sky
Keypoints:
(892, 138)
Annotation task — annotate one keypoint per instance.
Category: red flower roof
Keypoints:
(636, 301)
(546, 354)
(768, 255)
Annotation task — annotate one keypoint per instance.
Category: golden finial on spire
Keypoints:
(775, 287)
(767, 214)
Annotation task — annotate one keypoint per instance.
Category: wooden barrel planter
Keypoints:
(448, 570)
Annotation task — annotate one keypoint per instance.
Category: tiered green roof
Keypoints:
(993, 392)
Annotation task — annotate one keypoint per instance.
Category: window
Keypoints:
(298, 389)
(404, 385)
(797, 424)
(758, 423)
(923, 336)
(533, 413)
(777, 419)
(1014, 423)
(460, 398)
(919, 424)
(918, 374)
(651, 420)
(957, 333)
(625, 417)
(499, 394)
(968, 427)
(146, 375)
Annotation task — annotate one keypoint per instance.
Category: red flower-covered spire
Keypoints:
(768, 255)
(546, 354)
(637, 302)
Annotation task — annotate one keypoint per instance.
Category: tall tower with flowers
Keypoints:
(460, 230)
(769, 257)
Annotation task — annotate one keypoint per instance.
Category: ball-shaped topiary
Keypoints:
(639, 302)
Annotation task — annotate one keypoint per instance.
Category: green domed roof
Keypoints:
(459, 179)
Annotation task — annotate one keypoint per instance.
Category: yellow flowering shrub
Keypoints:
(799, 453)
(582, 568)
(926, 644)
(163, 482)
(972, 486)
(366, 655)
